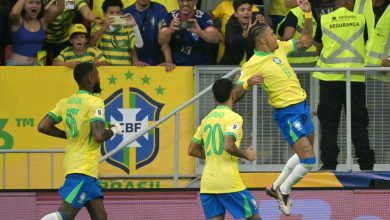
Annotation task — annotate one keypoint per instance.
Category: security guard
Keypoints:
(291, 27)
(377, 14)
(342, 35)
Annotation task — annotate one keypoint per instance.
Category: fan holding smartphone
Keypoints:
(118, 36)
(126, 19)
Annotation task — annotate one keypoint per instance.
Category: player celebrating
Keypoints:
(291, 111)
(83, 114)
(218, 139)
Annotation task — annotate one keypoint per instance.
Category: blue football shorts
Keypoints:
(79, 189)
(294, 121)
(240, 204)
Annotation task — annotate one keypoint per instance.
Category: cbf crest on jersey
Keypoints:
(142, 112)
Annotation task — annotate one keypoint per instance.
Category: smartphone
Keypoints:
(119, 19)
(185, 24)
(69, 4)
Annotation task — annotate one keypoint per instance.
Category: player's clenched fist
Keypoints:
(116, 128)
(251, 153)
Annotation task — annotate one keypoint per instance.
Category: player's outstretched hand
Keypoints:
(256, 79)
(251, 153)
(116, 128)
(304, 5)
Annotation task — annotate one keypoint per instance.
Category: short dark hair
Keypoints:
(255, 31)
(222, 89)
(81, 71)
(238, 3)
(111, 3)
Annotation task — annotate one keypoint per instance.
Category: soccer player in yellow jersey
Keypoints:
(83, 114)
(217, 140)
(269, 65)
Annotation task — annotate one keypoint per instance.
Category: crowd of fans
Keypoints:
(64, 32)
(144, 32)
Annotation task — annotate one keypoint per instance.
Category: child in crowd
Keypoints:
(117, 37)
(79, 52)
(237, 48)
(223, 11)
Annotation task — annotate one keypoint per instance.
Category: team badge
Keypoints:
(235, 127)
(297, 125)
(277, 60)
(82, 197)
(142, 111)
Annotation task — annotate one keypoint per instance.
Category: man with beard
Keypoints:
(85, 130)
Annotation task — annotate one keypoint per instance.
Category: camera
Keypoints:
(183, 25)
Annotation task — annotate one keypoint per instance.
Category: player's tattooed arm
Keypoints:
(230, 147)
(99, 131)
(240, 90)
(306, 38)
(48, 126)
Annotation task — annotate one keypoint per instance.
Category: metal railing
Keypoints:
(253, 165)
(28, 152)
(256, 103)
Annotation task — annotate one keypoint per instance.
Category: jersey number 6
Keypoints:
(71, 121)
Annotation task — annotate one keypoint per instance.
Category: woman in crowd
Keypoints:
(28, 20)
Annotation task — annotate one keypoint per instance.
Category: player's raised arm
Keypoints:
(306, 37)
(48, 126)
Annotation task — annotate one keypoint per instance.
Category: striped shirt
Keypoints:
(91, 54)
(57, 31)
(116, 45)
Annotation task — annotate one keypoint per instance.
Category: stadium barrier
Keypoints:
(150, 98)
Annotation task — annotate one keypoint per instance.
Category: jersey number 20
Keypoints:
(214, 132)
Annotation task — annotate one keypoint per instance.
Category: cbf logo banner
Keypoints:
(134, 97)
(141, 111)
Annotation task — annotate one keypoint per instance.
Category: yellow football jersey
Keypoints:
(220, 174)
(280, 80)
(82, 151)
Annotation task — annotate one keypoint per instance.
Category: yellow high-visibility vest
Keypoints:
(364, 7)
(343, 40)
(378, 44)
(310, 55)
